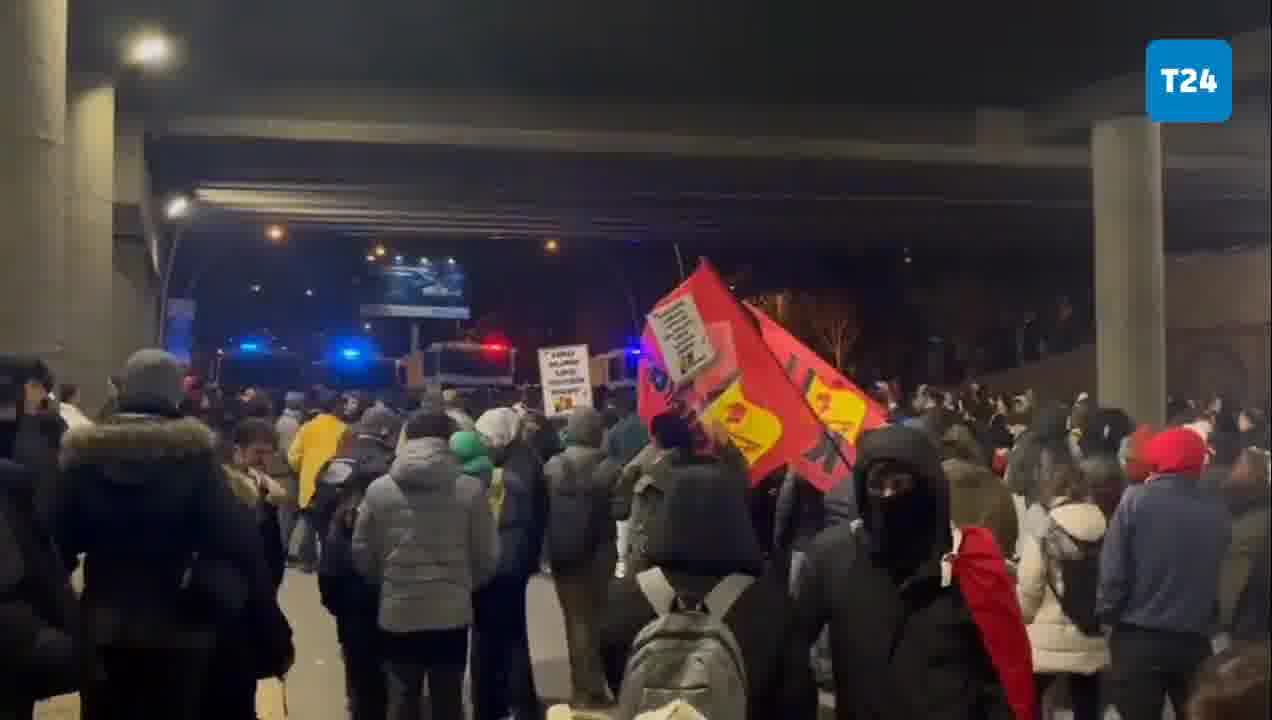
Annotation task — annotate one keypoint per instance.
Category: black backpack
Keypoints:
(577, 513)
(1078, 563)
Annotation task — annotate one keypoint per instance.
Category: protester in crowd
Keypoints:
(1223, 451)
(1159, 578)
(314, 445)
(40, 428)
(977, 497)
(627, 436)
(581, 546)
(502, 673)
(39, 617)
(68, 396)
(230, 690)
(1079, 416)
(286, 427)
(473, 456)
(701, 541)
(365, 455)
(1234, 686)
(1056, 582)
(645, 483)
(895, 626)
(1252, 423)
(171, 555)
(1243, 586)
(425, 533)
(800, 515)
(1100, 446)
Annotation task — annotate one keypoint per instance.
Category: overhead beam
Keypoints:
(295, 129)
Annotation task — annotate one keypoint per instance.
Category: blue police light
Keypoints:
(351, 353)
(250, 347)
(633, 351)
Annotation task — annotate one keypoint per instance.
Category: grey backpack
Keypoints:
(687, 653)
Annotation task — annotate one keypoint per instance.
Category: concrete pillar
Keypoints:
(32, 176)
(136, 298)
(90, 156)
(1130, 302)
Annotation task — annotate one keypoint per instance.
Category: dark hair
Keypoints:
(66, 392)
(1233, 685)
(430, 423)
(255, 430)
(1065, 479)
(672, 432)
(259, 406)
(1226, 447)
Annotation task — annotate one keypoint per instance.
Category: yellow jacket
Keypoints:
(315, 444)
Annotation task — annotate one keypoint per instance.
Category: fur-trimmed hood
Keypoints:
(136, 438)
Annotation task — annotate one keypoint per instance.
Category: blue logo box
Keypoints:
(1188, 81)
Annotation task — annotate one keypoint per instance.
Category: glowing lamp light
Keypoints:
(178, 207)
(351, 353)
(370, 258)
(450, 261)
(633, 351)
(275, 233)
(494, 347)
(148, 50)
(380, 251)
(250, 347)
(399, 259)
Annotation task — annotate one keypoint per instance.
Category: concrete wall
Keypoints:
(1218, 337)
(136, 294)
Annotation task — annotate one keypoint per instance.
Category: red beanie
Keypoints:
(1177, 451)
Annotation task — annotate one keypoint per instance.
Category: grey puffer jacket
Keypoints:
(425, 534)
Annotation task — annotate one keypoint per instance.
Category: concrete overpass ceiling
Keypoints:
(367, 191)
(946, 55)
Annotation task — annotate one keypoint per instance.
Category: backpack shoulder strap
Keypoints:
(725, 594)
(657, 590)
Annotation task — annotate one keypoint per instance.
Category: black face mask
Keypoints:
(900, 529)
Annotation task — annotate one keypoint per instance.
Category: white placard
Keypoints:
(682, 338)
(565, 375)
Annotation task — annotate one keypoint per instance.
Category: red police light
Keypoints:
(494, 347)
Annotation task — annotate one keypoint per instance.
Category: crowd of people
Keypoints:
(1139, 555)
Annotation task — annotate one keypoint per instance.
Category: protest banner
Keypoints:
(726, 374)
(565, 374)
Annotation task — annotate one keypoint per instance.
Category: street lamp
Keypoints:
(309, 293)
(380, 251)
(552, 245)
(370, 258)
(275, 233)
(148, 49)
(178, 207)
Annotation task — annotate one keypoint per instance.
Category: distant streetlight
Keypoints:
(450, 261)
(370, 258)
(149, 49)
(380, 251)
(366, 326)
(309, 293)
(399, 259)
(552, 245)
(275, 233)
(178, 207)
(256, 288)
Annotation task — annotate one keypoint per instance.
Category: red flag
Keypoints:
(722, 368)
(841, 406)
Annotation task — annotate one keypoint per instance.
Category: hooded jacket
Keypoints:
(892, 630)
(425, 533)
(1240, 596)
(38, 615)
(315, 443)
(702, 535)
(524, 518)
(142, 492)
(1058, 645)
(977, 496)
(472, 455)
(1162, 554)
(582, 463)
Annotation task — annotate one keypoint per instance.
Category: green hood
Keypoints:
(471, 452)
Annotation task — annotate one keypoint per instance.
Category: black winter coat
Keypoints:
(142, 493)
(38, 616)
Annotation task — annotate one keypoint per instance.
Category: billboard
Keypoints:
(429, 289)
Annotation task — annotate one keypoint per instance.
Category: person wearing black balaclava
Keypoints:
(895, 627)
(37, 607)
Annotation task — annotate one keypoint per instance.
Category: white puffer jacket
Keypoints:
(1058, 645)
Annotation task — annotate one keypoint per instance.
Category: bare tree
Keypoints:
(833, 322)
